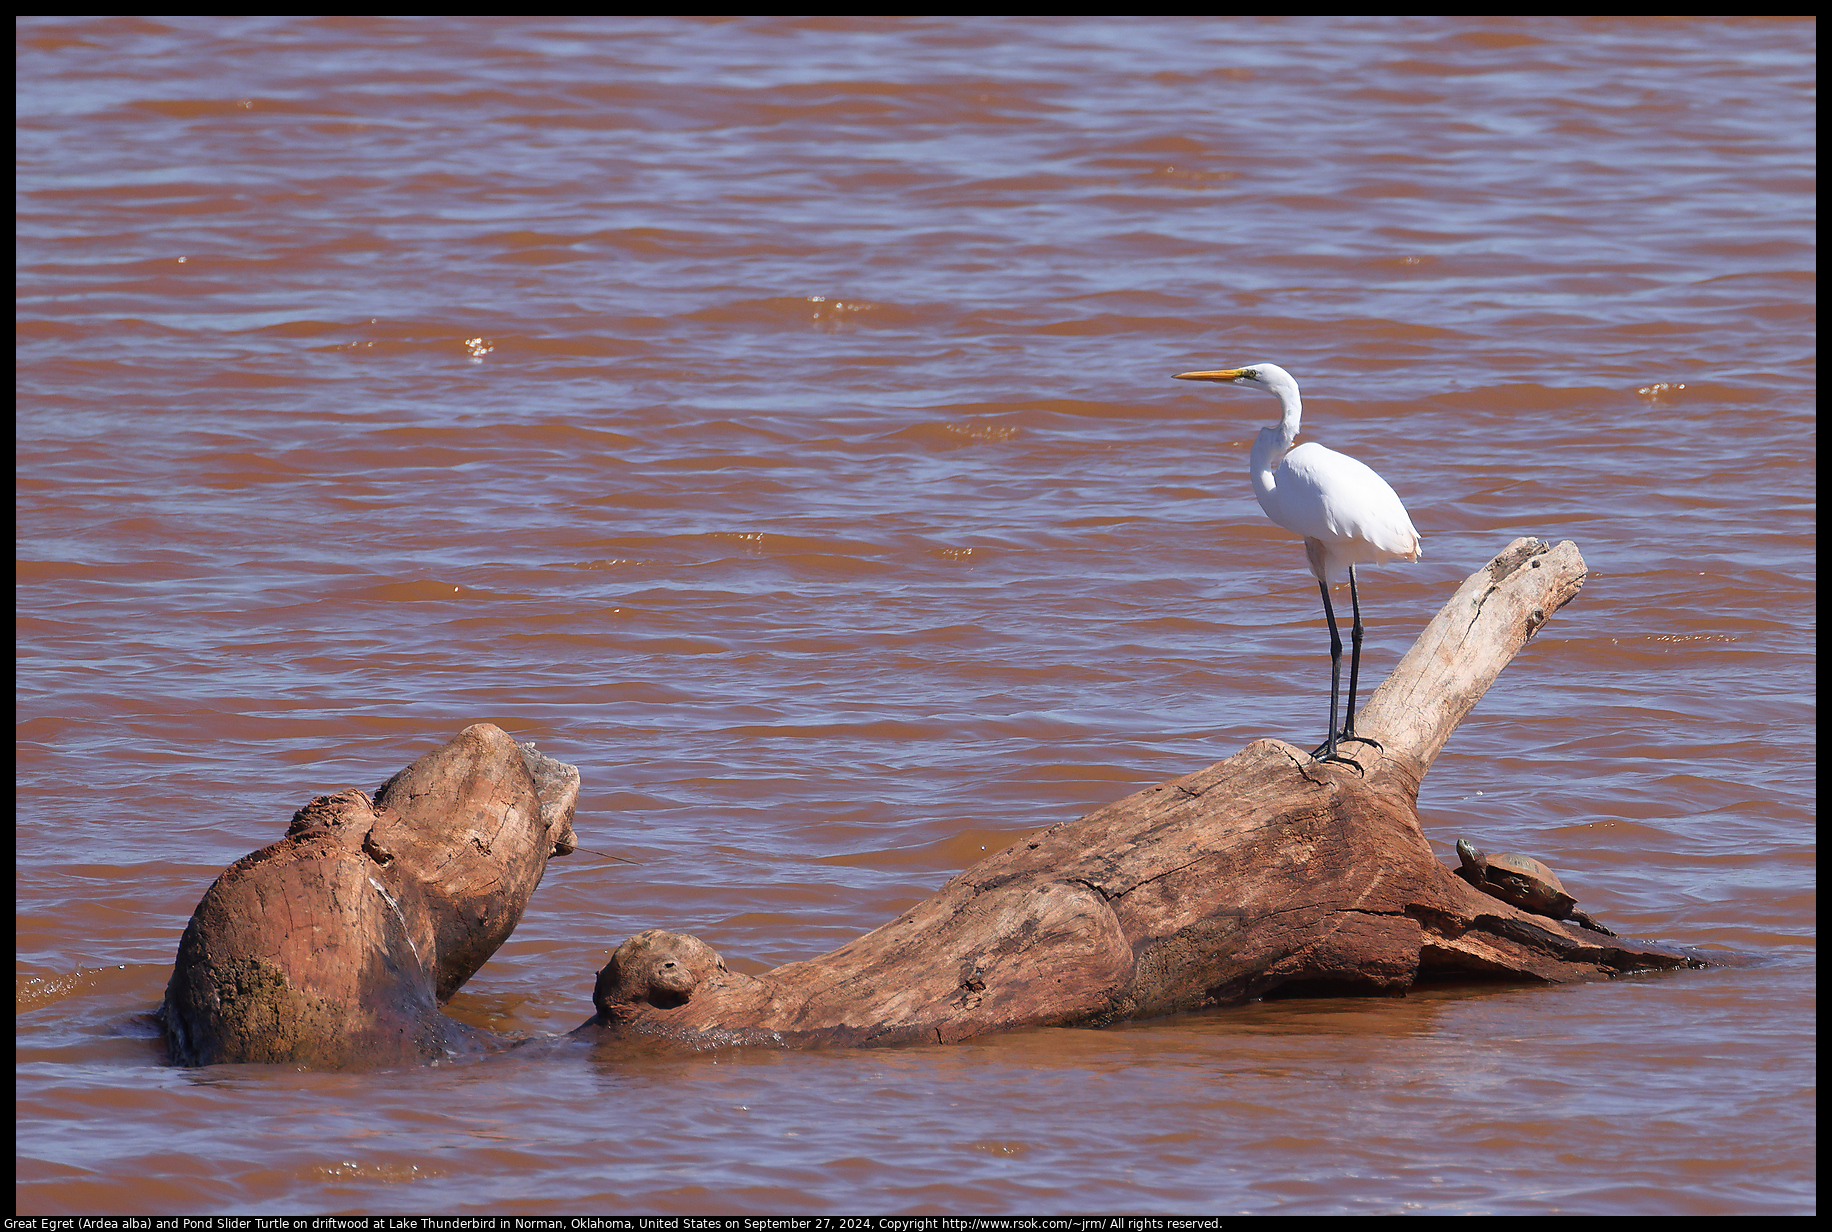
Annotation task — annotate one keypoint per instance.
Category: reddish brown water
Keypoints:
(774, 418)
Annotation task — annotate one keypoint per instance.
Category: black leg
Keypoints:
(1327, 750)
(1348, 722)
(1348, 726)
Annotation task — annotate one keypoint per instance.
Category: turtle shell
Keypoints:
(1529, 885)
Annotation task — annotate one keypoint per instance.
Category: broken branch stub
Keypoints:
(334, 947)
(1489, 619)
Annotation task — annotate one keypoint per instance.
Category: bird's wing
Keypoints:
(1330, 496)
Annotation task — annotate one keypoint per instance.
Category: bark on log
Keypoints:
(334, 947)
(1268, 871)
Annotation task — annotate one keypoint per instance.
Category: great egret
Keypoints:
(1347, 514)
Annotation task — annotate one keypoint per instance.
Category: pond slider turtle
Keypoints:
(1523, 882)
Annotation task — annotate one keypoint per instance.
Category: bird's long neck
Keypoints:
(1273, 443)
(1290, 411)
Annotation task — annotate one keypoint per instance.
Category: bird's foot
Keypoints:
(1327, 752)
(1347, 733)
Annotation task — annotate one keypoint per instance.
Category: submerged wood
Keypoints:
(1268, 872)
(334, 947)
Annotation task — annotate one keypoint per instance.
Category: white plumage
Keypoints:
(1347, 514)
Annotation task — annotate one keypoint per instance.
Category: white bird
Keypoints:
(1347, 514)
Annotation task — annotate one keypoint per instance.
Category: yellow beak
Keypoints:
(1224, 374)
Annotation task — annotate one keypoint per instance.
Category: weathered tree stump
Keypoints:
(1268, 871)
(334, 947)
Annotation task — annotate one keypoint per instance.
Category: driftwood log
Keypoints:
(334, 947)
(1268, 871)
